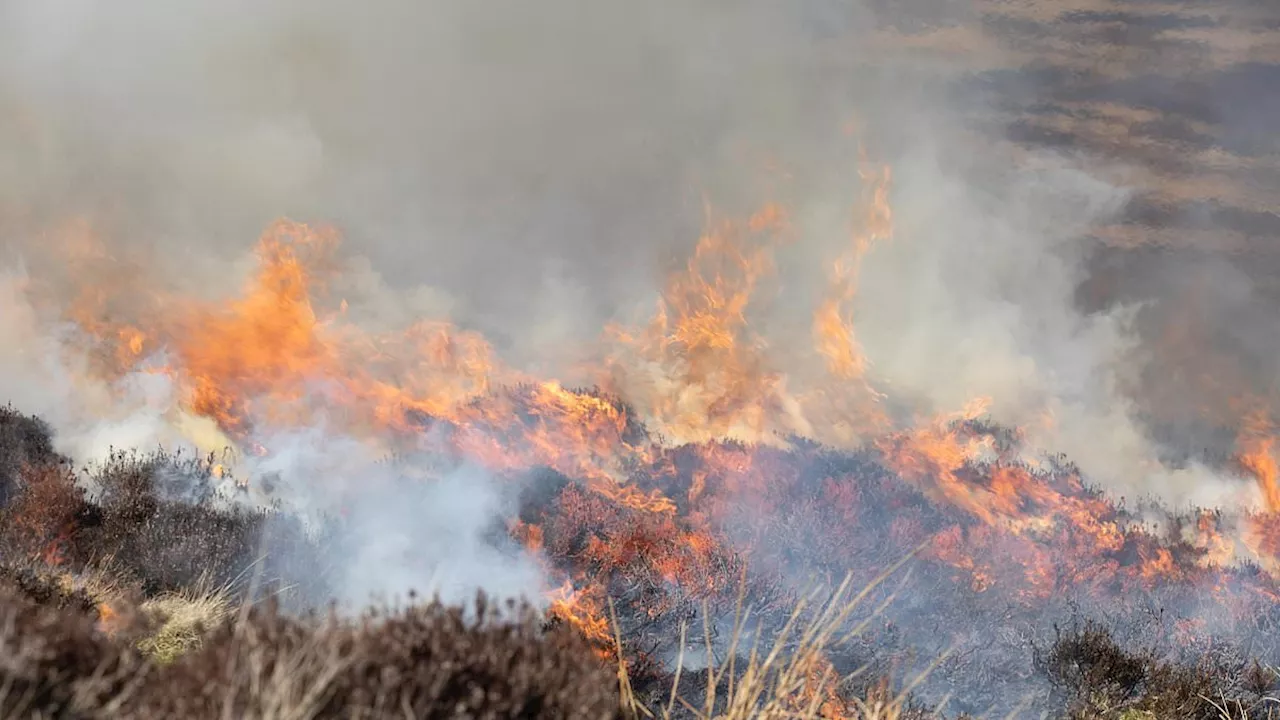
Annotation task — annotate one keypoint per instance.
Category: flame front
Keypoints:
(662, 482)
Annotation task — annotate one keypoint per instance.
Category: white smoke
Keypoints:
(975, 298)
(430, 535)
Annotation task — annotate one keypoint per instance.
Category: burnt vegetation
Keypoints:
(150, 524)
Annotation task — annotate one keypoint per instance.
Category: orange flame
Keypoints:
(583, 610)
(702, 371)
(1257, 456)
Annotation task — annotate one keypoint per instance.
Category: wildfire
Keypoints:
(692, 429)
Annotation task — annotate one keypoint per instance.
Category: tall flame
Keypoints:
(697, 366)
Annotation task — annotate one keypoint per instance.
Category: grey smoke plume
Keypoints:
(531, 170)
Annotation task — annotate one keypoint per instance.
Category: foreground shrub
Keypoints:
(56, 664)
(423, 662)
(1094, 678)
(427, 661)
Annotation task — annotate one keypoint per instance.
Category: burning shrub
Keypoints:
(670, 539)
(44, 515)
(424, 661)
(40, 505)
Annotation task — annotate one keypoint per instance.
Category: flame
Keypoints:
(833, 326)
(697, 367)
(704, 438)
(1220, 551)
(109, 621)
(934, 453)
(272, 357)
(1257, 455)
(255, 358)
(583, 610)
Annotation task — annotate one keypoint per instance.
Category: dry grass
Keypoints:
(422, 661)
(184, 618)
(255, 662)
(792, 678)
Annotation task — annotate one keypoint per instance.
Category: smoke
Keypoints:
(40, 375)
(531, 171)
(437, 534)
(465, 148)
(432, 534)
(975, 298)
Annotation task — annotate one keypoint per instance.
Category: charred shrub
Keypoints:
(56, 665)
(162, 523)
(42, 588)
(427, 661)
(1086, 662)
(1094, 677)
(1257, 679)
(45, 515)
(24, 440)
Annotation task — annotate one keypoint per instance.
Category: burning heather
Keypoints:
(884, 357)
(694, 480)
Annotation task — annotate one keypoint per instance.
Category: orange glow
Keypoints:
(109, 621)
